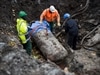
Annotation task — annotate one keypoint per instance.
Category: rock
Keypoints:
(84, 61)
(93, 21)
(17, 62)
(67, 72)
(2, 44)
(95, 39)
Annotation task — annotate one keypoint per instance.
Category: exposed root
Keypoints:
(88, 34)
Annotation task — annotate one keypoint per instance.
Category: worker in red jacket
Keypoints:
(71, 28)
(50, 15)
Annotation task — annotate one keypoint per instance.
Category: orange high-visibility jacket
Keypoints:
(50, 17)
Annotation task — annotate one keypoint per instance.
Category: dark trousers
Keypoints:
(51, 26)
(28, 47)
(72, 39)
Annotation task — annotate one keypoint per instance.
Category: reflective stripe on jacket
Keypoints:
(22, 29)
(47, 15)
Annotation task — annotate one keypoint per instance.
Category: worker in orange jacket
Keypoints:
(50, 15)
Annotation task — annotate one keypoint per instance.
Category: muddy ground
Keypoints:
(84, 61)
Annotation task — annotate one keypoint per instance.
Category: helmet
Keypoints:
(52, 8)
(66, 15)
(22, 14)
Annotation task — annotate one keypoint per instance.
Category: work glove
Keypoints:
(59, 24)
(40, 22)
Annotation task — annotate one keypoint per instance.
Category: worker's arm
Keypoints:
(58, 19)
(42, 16)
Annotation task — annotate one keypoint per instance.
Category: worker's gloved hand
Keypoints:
(58, 24)
(40, 21)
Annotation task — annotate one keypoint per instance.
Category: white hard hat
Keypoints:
(52, 8)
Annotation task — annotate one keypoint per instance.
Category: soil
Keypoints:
(87, 19)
